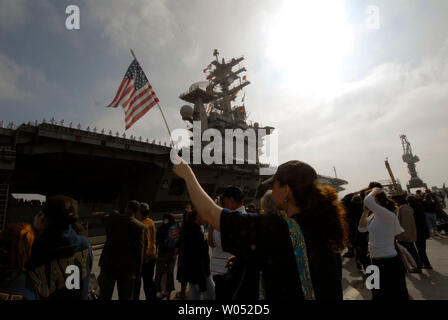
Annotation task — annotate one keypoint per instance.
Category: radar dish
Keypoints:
(186, 112)
(200, 84)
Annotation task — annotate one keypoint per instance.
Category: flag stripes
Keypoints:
(134, 94)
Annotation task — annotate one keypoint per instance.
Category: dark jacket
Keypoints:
(325, 265)
(420, 220)
(430, 203)
(161, 238)
(265, 241)
(193, 255)
(124, 247)
(15, 285)
(52, 253)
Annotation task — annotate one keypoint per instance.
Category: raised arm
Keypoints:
(379, 211)
(362, 227)
(207, 209)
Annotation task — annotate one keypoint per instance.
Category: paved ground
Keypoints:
(430, 285)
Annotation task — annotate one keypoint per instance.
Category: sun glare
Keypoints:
(307, 44)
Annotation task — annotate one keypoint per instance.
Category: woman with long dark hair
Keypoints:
(16, 243)
(383, 226)
(58, 247)
(299, 255)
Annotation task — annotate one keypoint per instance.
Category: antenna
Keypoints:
(335, 174)
(216, 54)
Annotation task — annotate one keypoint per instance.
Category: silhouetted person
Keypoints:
(408, 238)
(166, 255)
(195, 260)
(122, 255)
(149, 256)
(180, 268)
(16, 243)
(298, 257)
(56, 247)
(422, 230)
(383, 226)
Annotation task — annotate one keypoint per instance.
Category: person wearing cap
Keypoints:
(268, 238)
(383, 226)
(149, 256)
(232, 199)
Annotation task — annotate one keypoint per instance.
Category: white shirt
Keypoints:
(219, 257)
(382, 228)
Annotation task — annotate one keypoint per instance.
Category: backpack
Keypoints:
(173, 236)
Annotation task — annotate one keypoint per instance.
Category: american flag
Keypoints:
(135, 94)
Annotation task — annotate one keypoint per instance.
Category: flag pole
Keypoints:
(163, 116)
(166, 124)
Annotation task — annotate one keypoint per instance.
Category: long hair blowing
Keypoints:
(327, 213)
(16, 242)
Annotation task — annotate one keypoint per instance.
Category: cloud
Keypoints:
(358, 129)
(17, 82)
(138, 24)
(9, 74)
(12, 14)
(360, 126)
(395, 78)
(18, 14)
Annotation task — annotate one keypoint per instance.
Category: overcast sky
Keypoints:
(339, 91)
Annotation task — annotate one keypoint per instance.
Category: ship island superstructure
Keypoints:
(213, 107)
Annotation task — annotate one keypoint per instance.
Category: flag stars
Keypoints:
(135, 94)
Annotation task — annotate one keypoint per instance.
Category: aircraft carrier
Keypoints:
(103, 170)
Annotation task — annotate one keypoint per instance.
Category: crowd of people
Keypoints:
(391, 233)
(291, 248)
(34, 258)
